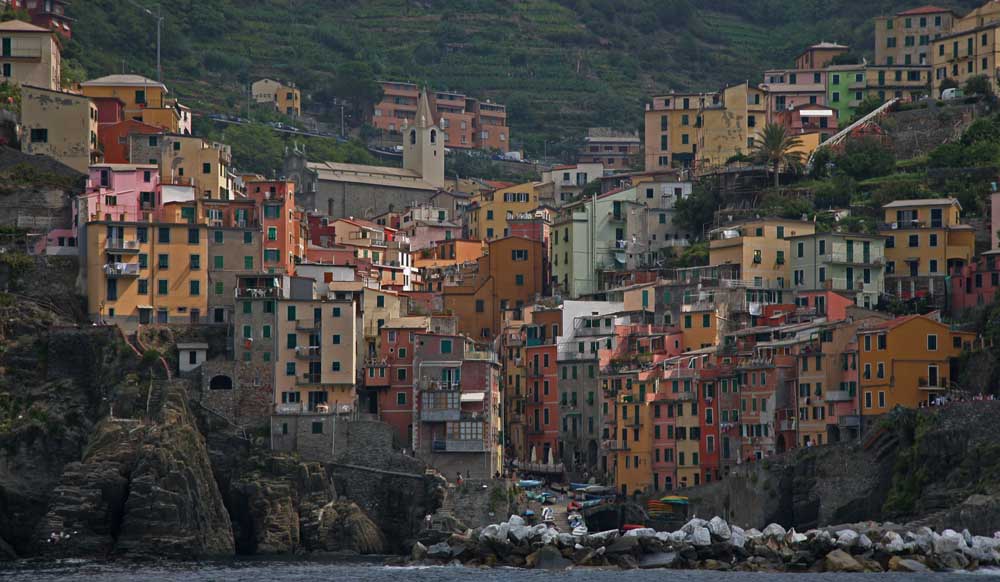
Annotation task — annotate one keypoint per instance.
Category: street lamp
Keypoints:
(159, 25)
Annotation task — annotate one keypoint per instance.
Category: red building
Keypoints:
(541, 371)
(114, 139)
(975, 284)
(45, 13)
(281, 222)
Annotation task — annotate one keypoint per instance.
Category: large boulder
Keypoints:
(418, 552)
(521, 534)
(658, 560)
(693, 523)
(949, 541)
(893, 543)
(440, 551)
(841, 561)
(900, 564)
(847, 538)
(719, 529)
(547, 558)
(643, 532)
(515, 520)
(739, 537)
(774, 531)
(623, 545)
(701, 537)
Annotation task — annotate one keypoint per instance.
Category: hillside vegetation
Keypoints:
(560, 65)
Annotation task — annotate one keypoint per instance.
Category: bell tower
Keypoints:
(423, 145)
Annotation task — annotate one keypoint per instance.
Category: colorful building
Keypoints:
(60, 125)
(975, 284)
(925, 241)
(286, 99)
(144, 100)
(29, 55)
(905, 38)
(852, 264)
(281, 223)
(761, 248)
(615, 150)
(908, 361)
(487, 217)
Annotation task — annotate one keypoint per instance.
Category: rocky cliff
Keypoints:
(937, 467)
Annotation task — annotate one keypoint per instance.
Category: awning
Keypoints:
(816, 113)
(473, 396)
(144, 306)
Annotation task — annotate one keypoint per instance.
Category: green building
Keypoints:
(845, 90)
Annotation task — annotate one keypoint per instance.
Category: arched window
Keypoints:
(413, 137)
(434, 136)
(220, 383)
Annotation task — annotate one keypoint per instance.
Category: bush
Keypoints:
(865, 158)
(150, 357)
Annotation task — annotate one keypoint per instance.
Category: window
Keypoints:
(195, 262)
(446, 346)
(932, 342)
(480, 306)
(519, 280)
(163, 235)
(143, 287)
(195, 287)
(161, 287)
(206, 168)
(248, 263)
(39, 135)
(914, 240)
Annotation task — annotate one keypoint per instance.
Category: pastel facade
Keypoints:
(192, 161)
(60, 125)
(614, 150)
(29, 55)
(286, 99)
(144, 100)
(488, 217)
(761, 248)
(281, 222)
(852, 264)
(906, 37)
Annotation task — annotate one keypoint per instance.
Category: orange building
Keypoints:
(908, 361)
(282, 242)
(511, 276)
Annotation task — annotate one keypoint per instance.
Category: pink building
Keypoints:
(808, 119)
(975, 284)
(119, 192)
(787, 89)
(427, 224)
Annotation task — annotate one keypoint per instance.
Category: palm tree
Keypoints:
(775, 149)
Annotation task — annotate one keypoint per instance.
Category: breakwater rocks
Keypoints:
(717, 545)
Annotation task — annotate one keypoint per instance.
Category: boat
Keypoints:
(574, 505)
(528, 483)
(632, 526)
(578, 486)
(597, 489)
(580, 530)
(529, 513)
(591, 503)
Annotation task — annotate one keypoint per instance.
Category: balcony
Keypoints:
(307, 325)
(117, 245)
(939, 383)
(121, 270)
(307, 352)
(788, 424)
(458, 446)
(849, 421)
(261, 293)
(615, 446)
(838, 396)
(308, 379)
(855, 259)
(481, 356)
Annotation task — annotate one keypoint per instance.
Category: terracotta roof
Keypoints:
(498, 185)
(922, 202)
(923, 10)
(892, 323)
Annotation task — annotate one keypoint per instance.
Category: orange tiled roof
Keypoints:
(923, 10)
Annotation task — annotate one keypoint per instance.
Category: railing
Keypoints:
(307, 324)
(481, 356)
(440, 414)
(458, 446)
(307, 352)
(787, 424)
(940, 383)
(116, 270)
(615, 446)
(856, 258)
(119, 245)
(308, 379)
(267, 292)
(838, 396)
(849, 421)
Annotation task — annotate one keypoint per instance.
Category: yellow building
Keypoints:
(906, 83)
(316, 360)
(148, 272)
(30, 55)
(687, 432)
(192, 161)
(145, 100)
(60, 125)
(905, 37)
(972, 48)
(925, 242)
(285, 98)
(702, 129)
(380, 306)
(488, 217)
(907, 362)
(699, 324)
(760, 248)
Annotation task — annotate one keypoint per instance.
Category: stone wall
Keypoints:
(312, 436)
(916, 132)
(249, 403)
(480, 502)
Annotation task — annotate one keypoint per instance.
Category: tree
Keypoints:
(865, 158)
(978, 85)
(776, 148)
(871, 103)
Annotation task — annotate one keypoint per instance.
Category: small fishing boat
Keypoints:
(528, 484)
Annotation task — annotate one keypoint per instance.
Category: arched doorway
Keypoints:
(780, 445)
(220, 382)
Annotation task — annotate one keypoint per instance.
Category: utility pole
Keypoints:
(342, 134)
(159, 27)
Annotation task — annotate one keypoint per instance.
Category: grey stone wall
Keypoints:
(249, 403)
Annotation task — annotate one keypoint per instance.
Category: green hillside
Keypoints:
(560, 65)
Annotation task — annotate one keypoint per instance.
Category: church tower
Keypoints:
(423, 145)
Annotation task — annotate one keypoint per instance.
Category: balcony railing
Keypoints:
(121, 270)
(787, 424)
(849, 421)
(615, 446)
(939, 383)
(458, 446)
(257, 293)
(307, 324)
(308, 379)
(838, 396)
(308, 352)
(122, 246)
